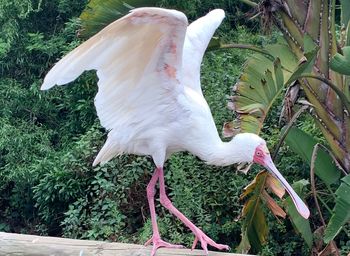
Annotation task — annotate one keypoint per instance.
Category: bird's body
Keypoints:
(150, 98)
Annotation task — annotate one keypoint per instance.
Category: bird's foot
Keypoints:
(158, 242)
(205, 240)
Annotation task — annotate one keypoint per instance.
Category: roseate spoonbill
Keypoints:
(150, 100)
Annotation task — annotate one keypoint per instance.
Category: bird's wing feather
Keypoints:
(198, 36)
(138, 59)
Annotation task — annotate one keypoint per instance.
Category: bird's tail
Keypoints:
(108, 151)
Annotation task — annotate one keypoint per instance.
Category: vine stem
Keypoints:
(289, 125)
(312, 181)
(248, 47)
(340, 94)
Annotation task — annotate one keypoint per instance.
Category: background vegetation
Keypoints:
(48, 141)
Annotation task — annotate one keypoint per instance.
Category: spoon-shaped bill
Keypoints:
(299, 204)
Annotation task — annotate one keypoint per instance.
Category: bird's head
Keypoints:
(257, 152)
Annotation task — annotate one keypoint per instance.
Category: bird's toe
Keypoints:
(205, 240)
(158, 243)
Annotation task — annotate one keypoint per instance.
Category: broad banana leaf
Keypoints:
(303, 144)
(345, 14)
(301, 224)
(341, 212)
(259, 85)
(305, 66)
(341, 63)
(257, 89)
(304, 24)
(316, 19)
(100, 13)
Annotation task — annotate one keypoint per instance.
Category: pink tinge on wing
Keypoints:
(299, 204)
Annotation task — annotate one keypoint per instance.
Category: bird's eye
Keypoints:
(258, 153)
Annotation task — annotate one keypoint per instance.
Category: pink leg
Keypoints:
(199, 234)
(155, 239)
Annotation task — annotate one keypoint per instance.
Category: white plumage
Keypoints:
(150, 99)
(145, 89)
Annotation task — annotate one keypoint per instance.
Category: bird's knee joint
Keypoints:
(165, 201)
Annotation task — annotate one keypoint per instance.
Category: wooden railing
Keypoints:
(29, 245)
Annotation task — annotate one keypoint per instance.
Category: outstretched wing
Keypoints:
(198, 36)
(138, 59)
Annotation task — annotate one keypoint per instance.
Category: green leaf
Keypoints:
(309, 45)
(302, 22)
(303, 144)
(341, 211)
(347, 35)
(100, 13)
(301, 225)
(341, 63)
(278, 73)
(244, 245)
(345, 11)
(260, 84)
(254, 228)
(305, 66)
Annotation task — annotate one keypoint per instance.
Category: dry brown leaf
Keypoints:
(275, 186)
(289, 101)
(229, 130)
(274, 207)
(330, 250)
(318, 238)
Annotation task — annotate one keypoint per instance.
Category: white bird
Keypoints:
(150, 100)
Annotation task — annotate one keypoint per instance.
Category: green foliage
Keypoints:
(341, 63)
(11, 13)
(304, 67)
(341, 213)
(301, 225)
(26, 138)
(345, 14)
(322, 74)
(22, 143)
(259, 86)
(255, 229)
(236, 11)
(303, 144)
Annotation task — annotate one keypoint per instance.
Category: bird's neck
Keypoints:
(221, 153)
